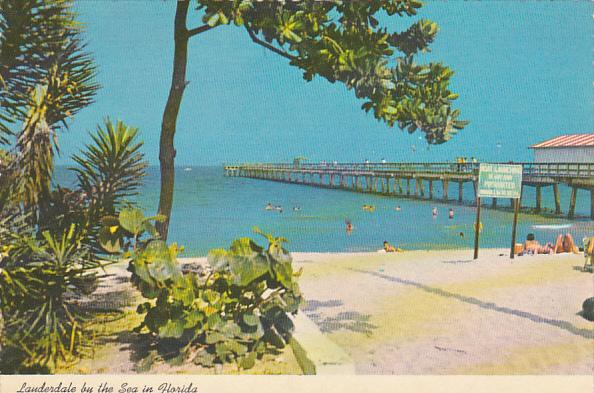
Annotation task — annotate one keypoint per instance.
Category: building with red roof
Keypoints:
(576, 148)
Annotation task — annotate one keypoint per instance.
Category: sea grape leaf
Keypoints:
(131, 219)
(245, 247)
(193, 318)
(109, 241)
(284, 272)
(172, 329)
(247, 269)
(251, 319)
(214, 337)
(248, 361)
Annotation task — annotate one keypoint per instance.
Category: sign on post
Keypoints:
(498, 181)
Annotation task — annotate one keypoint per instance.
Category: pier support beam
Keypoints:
(445, 189)
(460, 191)
(430, 189)
(422, 188)
(592, 203)
(572, 199)
(557, 198)
(399, 186)
(538, 198)
(494, 203)
(407, 186)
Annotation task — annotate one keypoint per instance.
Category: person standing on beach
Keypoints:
(434, 212)
(451, 214)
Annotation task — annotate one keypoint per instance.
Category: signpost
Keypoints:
(498, 181)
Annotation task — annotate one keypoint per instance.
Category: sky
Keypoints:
(524, 72)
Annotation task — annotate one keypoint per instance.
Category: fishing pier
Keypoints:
(421, 180)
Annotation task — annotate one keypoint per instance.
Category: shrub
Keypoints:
(50, 255)
(232, 315)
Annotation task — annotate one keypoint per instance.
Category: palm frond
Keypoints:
(112, 167)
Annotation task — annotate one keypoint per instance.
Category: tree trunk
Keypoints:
(168, 126)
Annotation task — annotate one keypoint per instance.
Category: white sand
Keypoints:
(440, 312)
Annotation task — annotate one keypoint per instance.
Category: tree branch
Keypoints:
(268, 46)
(198, 30)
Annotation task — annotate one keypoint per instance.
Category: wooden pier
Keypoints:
(419, 180)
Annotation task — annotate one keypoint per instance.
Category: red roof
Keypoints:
(573, 140)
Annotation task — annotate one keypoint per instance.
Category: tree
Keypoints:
(46, 77)
(341, 41)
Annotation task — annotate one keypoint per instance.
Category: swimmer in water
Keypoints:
(296, 208)
(349, 227)
(269, 206)
(398, 208)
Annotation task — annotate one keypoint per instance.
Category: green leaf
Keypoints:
(172, 329)
(214, 337)
(251, 319)
(247, 269)
(205, 359)
(284, 272)
(248, 361)
(131, 219)
(109, 241)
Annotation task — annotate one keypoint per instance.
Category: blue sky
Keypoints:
(523, 70)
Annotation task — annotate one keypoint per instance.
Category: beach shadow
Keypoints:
(108, 301)
(312, 305)
(352, 321)
(459, 261)
(346, 320)
(564, 325)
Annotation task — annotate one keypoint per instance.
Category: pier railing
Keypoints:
(550, 170)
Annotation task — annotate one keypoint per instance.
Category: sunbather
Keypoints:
(565, 243)
(532, 246)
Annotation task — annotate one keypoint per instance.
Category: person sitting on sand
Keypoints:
(565, 243)
(388, 247)
(532, 246)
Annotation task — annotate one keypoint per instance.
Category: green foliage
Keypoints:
(344, 41)
(40, 45)
(48, 261)
(112, 167)
(232, 315)
(46, 77)
(37, 276)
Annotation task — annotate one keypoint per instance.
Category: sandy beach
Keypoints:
(418, 312)
(440, 312)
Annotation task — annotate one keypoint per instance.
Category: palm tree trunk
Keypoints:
(168, 126)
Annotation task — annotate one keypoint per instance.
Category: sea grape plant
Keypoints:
(233, 313)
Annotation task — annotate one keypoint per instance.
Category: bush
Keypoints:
(49, 255)
(232, 315)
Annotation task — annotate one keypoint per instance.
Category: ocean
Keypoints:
(210, 210)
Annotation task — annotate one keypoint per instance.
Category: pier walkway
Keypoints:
(419, 180)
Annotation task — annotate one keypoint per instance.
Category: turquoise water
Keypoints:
(210, 210)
